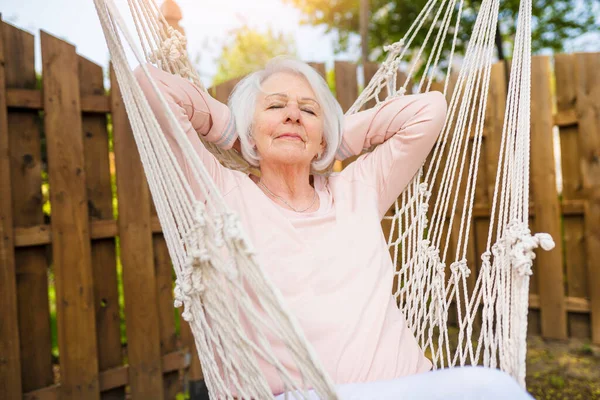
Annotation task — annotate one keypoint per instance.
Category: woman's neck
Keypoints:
(292, 183)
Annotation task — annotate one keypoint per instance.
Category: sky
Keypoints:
(206, 23)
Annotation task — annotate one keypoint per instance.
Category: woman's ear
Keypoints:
(323, 147)
(251, 141)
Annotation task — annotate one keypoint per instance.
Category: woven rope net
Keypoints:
(230, 302)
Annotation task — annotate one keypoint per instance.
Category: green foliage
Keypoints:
(330, 77)
(557, 381)
(248, 50)
(554, 21)
(52, 306)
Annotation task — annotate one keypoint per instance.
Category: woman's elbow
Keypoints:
(145, 81)
(142, 79)
(439, 106)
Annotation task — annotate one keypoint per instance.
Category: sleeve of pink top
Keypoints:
(197, 113)
(405, 130)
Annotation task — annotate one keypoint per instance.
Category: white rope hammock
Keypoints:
(224, 291)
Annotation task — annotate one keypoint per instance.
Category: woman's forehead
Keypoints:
(288, 84)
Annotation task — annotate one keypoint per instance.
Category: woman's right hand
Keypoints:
(237, 146)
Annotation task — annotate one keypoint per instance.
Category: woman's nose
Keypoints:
(293, 114)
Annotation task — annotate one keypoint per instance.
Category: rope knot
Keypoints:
(172, 48)
(460, 267)
(199, 256)
(424, 189)
(424, 244)
(200, 214)
(440, 268)
(486, 259)
(433, 252)
(182, 299)
(522, 245)
(231, 226)
(395, 47)
(218, 221)
(545, 241)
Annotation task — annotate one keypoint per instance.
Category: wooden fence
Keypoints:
(94, 254)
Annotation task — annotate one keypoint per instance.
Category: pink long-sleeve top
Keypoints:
(332, 266)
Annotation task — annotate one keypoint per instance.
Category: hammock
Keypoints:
(219, 279)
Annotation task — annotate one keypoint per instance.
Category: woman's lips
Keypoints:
(289, 136)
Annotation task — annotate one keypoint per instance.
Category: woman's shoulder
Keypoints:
(344, 184)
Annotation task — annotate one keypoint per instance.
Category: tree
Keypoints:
(554, 21)
(248, 50)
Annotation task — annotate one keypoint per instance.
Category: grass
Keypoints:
(559, 370)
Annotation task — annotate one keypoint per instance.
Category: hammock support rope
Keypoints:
(230, 302)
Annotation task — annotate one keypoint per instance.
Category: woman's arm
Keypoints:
(197, 113)
(405, 129)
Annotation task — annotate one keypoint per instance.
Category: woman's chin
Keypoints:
(289, 157)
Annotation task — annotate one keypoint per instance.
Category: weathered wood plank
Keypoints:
(576, 265)
(573, 304)
(115, 378)
(139, 278)
(346, 90)
(566, 118)
(588, 111)
(164, 288)
(494, 123)
(369, 71)
(221, 92)
(32, 99)
(166, 312)
(575, 258)
(346, 85)
(99, 193)
(566, 101)
(10, 367)
(320, 67)
(194, 374)
(42, 234)
(543, 185)
(70, 224)
(31, 264)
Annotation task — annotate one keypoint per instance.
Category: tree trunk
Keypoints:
(364, 30)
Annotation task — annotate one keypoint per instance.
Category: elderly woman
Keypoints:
(318, 236)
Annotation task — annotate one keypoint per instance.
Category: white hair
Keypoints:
(242, 103)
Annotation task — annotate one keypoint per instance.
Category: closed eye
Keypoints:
(275, 106)
(309, 111)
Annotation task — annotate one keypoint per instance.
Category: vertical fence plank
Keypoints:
(195, 378)
(494, 123)
(575, 257)
(566, 102)
(31, 262)
(547, 210)
(99, 193)
(369, 71)
(320, 67)
(588, 104)
(139, 280)
(221, 92)
(346, 90)
(346, 85)
(166, 312)
(10, 365)
(69, 222)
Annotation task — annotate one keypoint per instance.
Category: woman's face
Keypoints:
(288, 121)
